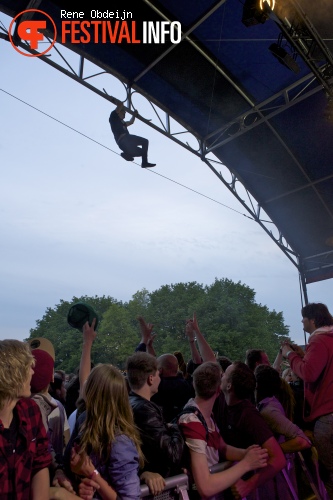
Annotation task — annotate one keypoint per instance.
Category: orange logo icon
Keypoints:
(29, 31)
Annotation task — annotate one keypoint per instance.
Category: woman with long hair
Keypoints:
(274, 404)
(108, 448)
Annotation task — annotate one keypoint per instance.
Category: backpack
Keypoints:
(197, 413)
(186, 460)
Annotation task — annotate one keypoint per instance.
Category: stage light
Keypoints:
(254, 12)
(284, 58)
(270, 3)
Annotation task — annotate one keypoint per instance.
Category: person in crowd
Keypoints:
(24, 457)
(154, 481)
(280, 364)
(108, 447)
(57, 388)
(204, 352)
(268, 389)
(255, 357)
(241, 425)
(181, 362)
(286, 397)
(224, 362)
(315, 368)
(296, 385)
(204, 441)
(173, 391)
(131, 145)
(72, 394)
(290, 437)
(286, 374)
(75, 390)
(148, 336)
(53, 414)
(162, 444)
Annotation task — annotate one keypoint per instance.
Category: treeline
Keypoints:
(227, 315)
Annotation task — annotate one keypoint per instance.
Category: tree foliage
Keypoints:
(227, 314)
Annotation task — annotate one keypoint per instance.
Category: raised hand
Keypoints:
(298, 350)
(88, 331)
(146, 330)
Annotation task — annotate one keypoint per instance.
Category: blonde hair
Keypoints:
(15, 363)
(108, 413)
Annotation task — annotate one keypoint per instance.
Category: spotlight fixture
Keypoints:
(284, 57)
(270, 3)
(254, 13)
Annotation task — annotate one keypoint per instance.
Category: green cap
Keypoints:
(79, 314)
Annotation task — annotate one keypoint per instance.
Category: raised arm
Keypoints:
(131, 121)
(309, 365)
(278, 361)
(147, 336)
(190, 334)
(205, 350)
(89, 336)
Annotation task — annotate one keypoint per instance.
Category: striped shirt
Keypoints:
(195, 435)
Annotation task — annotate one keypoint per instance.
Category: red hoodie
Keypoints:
(316, 370)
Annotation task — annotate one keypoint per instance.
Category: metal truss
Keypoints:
(169, 127)
(263, 112)
(304, 38)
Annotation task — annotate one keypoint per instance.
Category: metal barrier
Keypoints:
(220, 467)
(175, 488)
(316, 484)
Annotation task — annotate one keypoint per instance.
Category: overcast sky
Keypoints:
(76, 219)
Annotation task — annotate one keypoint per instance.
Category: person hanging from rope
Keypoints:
(131, 145)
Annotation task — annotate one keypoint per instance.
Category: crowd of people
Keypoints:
(104, 433)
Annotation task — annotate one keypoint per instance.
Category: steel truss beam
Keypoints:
(303, 36)
(263, 112)
(185, 36)
(165, 127)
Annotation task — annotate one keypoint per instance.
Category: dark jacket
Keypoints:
(162, 444)
(173, 394)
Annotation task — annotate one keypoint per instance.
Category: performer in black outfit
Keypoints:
(131, 145)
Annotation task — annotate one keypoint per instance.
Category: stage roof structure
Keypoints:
(252, 81)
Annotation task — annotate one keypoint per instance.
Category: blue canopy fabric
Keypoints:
(265, 122)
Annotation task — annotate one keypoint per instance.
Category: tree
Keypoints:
(227, 313)
(117, 338)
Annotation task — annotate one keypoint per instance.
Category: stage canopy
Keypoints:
(252, 85)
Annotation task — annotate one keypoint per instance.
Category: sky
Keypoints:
(76, 219)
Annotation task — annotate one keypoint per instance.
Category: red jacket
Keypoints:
(19, 462)
(316, 369)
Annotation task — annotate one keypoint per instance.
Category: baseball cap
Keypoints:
(80, 313)
(43, 370)
(42, 344)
